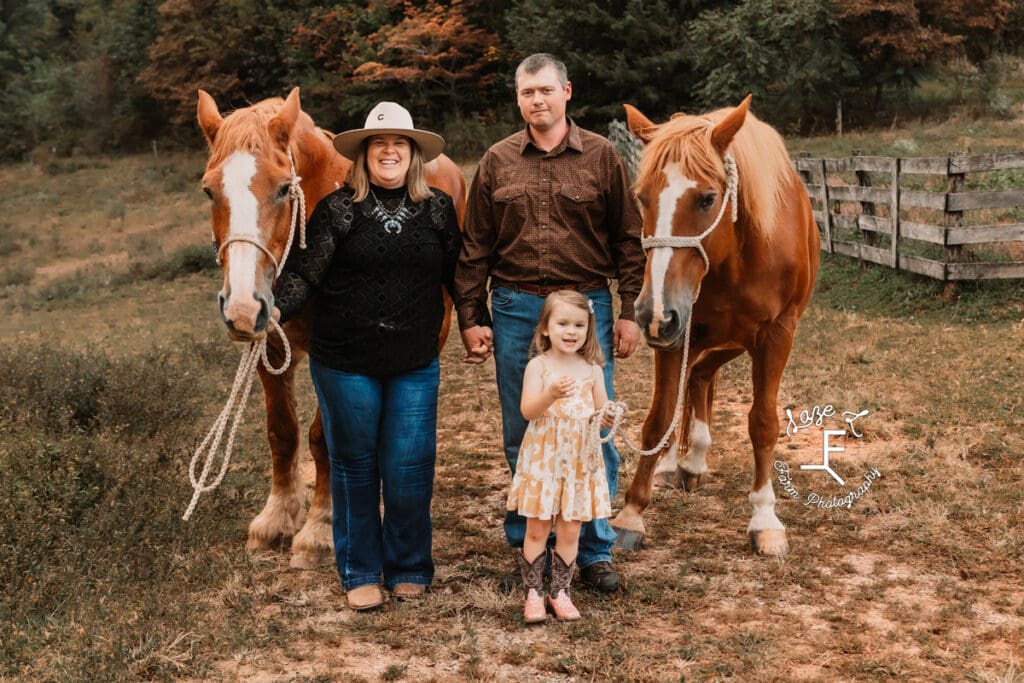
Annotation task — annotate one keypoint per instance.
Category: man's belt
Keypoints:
(545, 288)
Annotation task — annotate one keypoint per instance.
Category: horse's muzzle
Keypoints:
(245, 320)
(665, 332)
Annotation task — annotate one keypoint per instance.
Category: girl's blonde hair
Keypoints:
(591, 349)
(415, 177)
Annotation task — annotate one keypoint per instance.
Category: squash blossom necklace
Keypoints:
(391, 220)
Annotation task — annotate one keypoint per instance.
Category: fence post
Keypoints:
(867, 208)
(825, 208)
(953, 219)
(894, 213)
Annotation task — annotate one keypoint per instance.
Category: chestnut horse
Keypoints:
(255, 153)
(731, 266)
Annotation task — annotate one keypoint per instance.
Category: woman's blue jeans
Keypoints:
(515, 316)
(382, 441)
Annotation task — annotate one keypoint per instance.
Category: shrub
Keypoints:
(93, 453)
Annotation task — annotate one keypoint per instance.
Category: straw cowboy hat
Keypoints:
(388, 118)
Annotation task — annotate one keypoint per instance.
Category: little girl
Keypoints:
(557, 478)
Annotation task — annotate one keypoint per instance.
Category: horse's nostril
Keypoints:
(263, 317)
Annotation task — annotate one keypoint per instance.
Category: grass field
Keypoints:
(115, 364)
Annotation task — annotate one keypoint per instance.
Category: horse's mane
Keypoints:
(763, 164)
(246, 129)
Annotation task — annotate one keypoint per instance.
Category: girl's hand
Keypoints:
(607, 420)
(561, 387)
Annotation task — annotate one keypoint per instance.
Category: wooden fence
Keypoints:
(921, 214)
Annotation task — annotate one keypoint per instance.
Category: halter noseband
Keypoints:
(298, 198)
(694, 241)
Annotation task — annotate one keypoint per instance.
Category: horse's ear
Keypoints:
(726, 129)
(281, 125)
(208, 116)
(639, 124)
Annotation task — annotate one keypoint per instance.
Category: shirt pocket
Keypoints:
(508, 194)
(581, 205)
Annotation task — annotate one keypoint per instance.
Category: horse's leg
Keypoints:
(314, 545)
(280, 518)
(766, 532)
(692, 471)
(629, 523)
(668, 464)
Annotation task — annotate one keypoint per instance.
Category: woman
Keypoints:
(378, 251)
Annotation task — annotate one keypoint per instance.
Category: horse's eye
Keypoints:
(208, 192)
(282, 191)
(706, 201)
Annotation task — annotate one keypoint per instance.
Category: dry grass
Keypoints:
(919, 580)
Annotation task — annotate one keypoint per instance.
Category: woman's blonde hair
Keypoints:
(591, 348)
(415, 177)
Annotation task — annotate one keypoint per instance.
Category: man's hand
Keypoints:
(479, 343)
(626, 338)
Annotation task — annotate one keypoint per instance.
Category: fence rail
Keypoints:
(894, 216)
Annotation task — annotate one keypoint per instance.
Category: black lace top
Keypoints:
(377, 300)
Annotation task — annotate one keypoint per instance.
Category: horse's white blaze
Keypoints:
(696, 461)
(677, 186)
(764, 517)
(238, 173)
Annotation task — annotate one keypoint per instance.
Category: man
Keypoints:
(550, 208)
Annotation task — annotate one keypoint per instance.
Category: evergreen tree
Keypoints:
(616, 51)
(788, 53)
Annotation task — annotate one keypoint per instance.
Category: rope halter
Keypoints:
(298, 202)
(694, 241)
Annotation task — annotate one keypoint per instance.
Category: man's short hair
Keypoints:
(536, 62)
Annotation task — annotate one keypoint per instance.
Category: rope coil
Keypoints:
(236, 402)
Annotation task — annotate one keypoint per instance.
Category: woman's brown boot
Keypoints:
(558, 595)
(533, 588)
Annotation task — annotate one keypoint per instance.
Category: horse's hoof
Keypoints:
(256, 544)
(666, 479)
(627, 539)
(311, 559)
(692, 482)
(770, 542)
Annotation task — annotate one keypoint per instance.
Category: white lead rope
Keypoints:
(249, 363)
(617, 409)
(244, 377)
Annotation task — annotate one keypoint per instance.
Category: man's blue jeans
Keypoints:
(382, 440)
(515, 315)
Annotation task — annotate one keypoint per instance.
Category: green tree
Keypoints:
(238, 50)
(789, 53)
(616, 51)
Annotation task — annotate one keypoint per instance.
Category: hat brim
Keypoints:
(431, 144)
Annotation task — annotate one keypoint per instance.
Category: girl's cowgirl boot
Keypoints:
(533, 587)
(558, 595)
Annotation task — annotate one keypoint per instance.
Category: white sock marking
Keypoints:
(670, 461)
(696, 461)
(764, 517)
